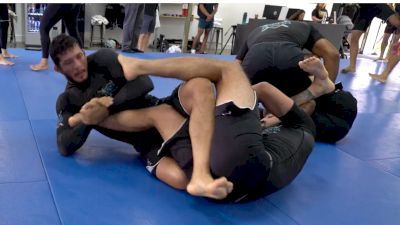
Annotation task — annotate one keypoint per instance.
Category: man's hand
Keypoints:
(209, 18)
(269, 120)
(95, 111)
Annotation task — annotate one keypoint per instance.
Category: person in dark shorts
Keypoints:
(367, 13)
(256, 163)
(149, 23)
(4, 22)
(206, 13)
(54, 13)
(99, 75)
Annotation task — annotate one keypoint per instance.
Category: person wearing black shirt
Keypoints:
(206, 13)
(319, 12)
(272, 53)
(100, 75)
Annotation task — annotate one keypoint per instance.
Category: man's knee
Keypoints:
(195, 91)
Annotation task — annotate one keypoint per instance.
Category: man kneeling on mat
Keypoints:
(274, 53)
(257, 164)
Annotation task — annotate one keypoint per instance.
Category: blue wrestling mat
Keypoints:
(355, 182)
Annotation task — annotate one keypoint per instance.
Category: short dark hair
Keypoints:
(59, 45)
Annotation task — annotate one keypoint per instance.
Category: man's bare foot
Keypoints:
(39, 67)
(378, 77)
(321, 84)
(216, 189)
(129, 66)
(9, 55)
(348, 70)
(5, 62)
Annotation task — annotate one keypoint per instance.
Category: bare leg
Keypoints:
(384, 44)
(145, 41)
(355, 38)
(395, 39)
(6, 54)
(393, 60)
(43, 65)
(5, 62)
(204, 44)
(140, 41)
(197, 38)
(169, 172)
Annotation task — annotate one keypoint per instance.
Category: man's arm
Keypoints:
(215, 10)
(204, 10)
(69, 139)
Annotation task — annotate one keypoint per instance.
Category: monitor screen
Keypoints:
(272, 11)
(291, 12)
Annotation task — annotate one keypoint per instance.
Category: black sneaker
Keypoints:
(135, 50)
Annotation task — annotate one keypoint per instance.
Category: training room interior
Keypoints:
(353, 181)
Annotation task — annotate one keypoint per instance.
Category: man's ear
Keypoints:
(57, 69)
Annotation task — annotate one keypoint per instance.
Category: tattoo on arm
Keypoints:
(303, 97)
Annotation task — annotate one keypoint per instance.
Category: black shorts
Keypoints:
(390, 29)
(277, 63)
(149, 23)
(368, 12)
(257, 164)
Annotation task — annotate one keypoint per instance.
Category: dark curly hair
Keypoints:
(59, 45)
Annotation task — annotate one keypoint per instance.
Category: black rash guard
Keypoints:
(302, 34)
(105, 78)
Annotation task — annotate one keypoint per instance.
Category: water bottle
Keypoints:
(334, 17)
(244, 19)
(324, 18)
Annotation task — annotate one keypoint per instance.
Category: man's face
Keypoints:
(73, 64)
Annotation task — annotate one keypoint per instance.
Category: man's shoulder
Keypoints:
(102, 56)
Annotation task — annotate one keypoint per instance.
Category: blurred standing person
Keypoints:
(54, 13)
(389, 30)
(133, 20)
(319, 13)
(149, 23)
(206, 12)
(367, 12)
(298, 15)
(4, 21)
